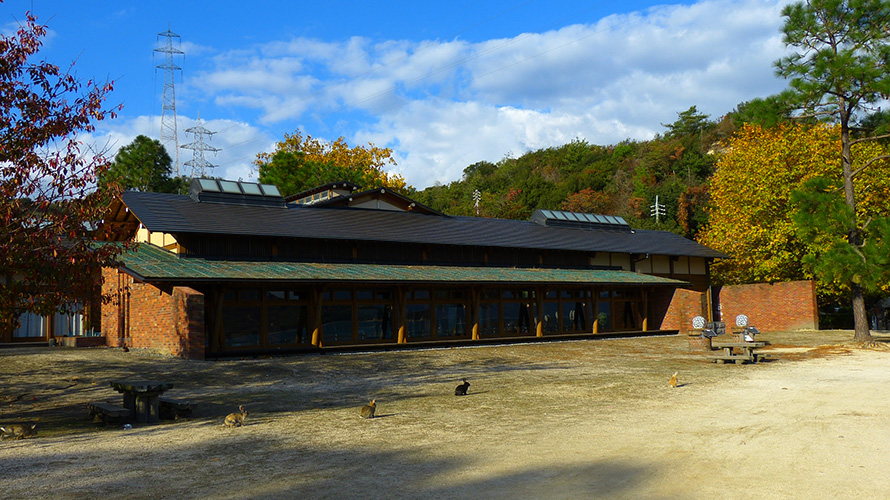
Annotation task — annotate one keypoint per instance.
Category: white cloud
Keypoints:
(238, 143)
(443, 105)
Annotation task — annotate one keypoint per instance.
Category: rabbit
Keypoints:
(673, 382)
(236, 419)
(461, 390)
(18, 431)
(369, 409)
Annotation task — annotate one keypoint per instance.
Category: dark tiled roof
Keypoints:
(150, 263)
(177, 214)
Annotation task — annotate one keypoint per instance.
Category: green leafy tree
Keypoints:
(838, 69)
(49, 204)
(766, 112)
(822, 217)
(143, 165)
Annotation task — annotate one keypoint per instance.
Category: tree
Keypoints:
(751, 212)
(142, 165)
(689, 123)
(303, 163)
(822, 216)
(766, 112)
(49, 204)
(839, 69)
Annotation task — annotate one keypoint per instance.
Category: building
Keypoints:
(235, 268)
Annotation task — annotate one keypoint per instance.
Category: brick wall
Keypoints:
(684, 305)
(143, 316)
(777, 306)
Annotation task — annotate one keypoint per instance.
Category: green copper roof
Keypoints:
(153, 264)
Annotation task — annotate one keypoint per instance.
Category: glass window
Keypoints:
(247, 294)
(417, 324)
(519, 318)
(342, 294)
(421, 294)
(276, 295)
(65, 324)
(604, 316)
(295, 296)
(364, 294)
(229, 187)
(551, 317)
(30, 325)
(574, 315)
(251, 188)
(451, 320)
(286, 325)
(336, 323)
(241, 326)
(488, 319)
(374, 322)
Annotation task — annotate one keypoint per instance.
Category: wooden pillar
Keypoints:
(645, 309)
(315, 316)
(595, 303)
(402, 311)
(539, 305)
(474, 312)
(216, 336)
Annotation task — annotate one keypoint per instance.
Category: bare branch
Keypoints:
(872, 138)
(868, 164)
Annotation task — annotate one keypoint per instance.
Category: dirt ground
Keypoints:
(581, 419)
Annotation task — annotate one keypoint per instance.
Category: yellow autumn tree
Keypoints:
(750, 215)
(299, 163)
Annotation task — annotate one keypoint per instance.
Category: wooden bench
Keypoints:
(105, 412)
(728, 352)
(172, 409)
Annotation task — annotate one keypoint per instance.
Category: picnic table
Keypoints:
(141, 397)
(748, 351)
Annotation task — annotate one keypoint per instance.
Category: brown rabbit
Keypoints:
(369, 409)
(18, 431)
(236, 419)
(673, 381)
(461, 390)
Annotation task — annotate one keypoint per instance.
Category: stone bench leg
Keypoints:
(147, 408)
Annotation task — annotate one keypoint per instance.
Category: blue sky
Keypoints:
(444, 84)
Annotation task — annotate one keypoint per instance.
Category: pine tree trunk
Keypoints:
(860, 317)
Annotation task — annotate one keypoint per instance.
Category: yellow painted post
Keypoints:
(645, 310)
(402, 306)
(596, 310)
(315, 307)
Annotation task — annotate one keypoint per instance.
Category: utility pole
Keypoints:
(169, 133)
(656, 210)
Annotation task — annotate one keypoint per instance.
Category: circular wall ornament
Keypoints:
(698, 322)
(741, 320)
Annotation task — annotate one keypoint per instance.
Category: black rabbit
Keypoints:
(461, 390)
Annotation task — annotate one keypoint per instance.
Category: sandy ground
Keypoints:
(590, 419)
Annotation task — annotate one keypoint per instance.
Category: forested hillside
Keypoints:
(621, 179)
